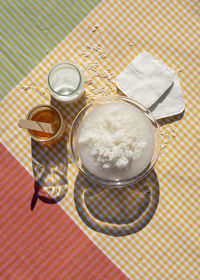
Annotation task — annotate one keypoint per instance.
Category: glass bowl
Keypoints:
(73, 141)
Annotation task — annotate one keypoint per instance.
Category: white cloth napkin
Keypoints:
(153, 84)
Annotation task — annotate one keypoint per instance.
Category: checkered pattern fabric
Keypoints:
(162, 247)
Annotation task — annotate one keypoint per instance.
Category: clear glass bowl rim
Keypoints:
(114, 183)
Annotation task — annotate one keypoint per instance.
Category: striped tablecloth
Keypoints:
(146, 231)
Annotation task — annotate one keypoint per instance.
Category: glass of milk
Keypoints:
(115, 141)
(65, 82)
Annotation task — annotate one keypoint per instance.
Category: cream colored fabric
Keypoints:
(153, 84)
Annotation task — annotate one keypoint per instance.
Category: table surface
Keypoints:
(56, 224)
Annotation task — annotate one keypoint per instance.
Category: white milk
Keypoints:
(115, 141)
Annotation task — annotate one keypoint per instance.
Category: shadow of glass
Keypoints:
(116, 211)
(50, 162)
(41, 194)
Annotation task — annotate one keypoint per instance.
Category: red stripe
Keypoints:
(44, 243)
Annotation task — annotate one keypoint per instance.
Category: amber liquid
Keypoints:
(46, 116)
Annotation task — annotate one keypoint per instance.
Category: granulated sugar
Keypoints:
(116, 141)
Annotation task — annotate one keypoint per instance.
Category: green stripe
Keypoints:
(31, 27)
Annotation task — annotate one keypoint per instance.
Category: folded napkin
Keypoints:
(153, 84)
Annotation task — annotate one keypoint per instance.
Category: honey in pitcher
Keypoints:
(46, 116)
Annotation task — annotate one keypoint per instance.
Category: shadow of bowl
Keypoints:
(116, 211)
